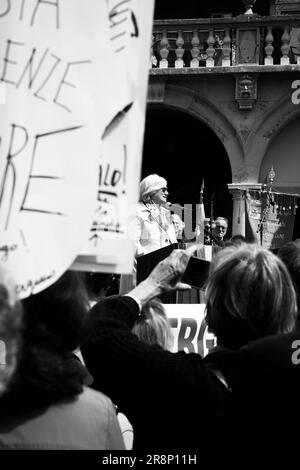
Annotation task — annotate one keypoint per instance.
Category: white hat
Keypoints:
(150, 184)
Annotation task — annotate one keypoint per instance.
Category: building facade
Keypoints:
(224, 100)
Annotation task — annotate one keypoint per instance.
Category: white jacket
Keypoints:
(152, 232)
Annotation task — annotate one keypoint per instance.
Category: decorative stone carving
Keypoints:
(156, 91)
(246, 90)
(248, 40)
(249, 4)
(245, 134)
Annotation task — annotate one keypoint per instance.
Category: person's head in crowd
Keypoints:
(249, 295)
(209, 226)
(153, 189)
(236, 240)
(153, 327)
(290, 255)
(11, 314)
(220, 228)
(48, 371)
(178, 225)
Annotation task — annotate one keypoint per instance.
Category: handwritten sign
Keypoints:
(110, 247)
(58, 102)
(189, 328)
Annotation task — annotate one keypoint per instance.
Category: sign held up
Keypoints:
(58, 103)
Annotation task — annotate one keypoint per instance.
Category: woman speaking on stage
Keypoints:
(154, 226)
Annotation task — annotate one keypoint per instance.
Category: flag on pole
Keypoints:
(205, 252)
(200, 218)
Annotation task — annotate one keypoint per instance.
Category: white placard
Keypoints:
(189, 328)
(110, 246)
(60, 92)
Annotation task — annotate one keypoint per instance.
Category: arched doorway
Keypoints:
(185, 150)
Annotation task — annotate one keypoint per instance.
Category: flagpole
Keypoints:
(211, 217)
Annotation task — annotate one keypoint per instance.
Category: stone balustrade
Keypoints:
(226, 42)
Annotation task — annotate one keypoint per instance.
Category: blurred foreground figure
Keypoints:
(269, 377)
(46, 405)
(289, 253)
(10, 328)
(177, 400)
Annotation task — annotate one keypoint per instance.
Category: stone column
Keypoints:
(238, 211)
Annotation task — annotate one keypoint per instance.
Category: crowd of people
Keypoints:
(246, 388)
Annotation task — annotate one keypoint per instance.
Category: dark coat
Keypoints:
(265, 381)
(269, 382)
(172, 400)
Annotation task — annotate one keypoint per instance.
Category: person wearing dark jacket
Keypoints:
(46, 405)
(289, 253)
(179, 401)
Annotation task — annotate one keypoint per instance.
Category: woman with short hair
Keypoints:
(249, 295)
(154, 226)
(164, 394)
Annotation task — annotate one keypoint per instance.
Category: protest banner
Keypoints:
(189, 328)
(270, 217)
(60, 93)
(109, 247)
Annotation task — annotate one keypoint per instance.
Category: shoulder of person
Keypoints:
(96, 400)
(141, 209)
(274, 351)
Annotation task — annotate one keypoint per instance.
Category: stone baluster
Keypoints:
(285, 48)
(164, 51)
(179, 64)
(153, 59)
(226, 49)
(195, 51)
(269, 48)
(210, 51)
(233, 51)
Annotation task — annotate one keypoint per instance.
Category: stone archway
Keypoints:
(195, 104)
(185, 150)
(269, 128)
(283, 155)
